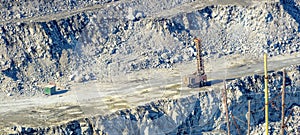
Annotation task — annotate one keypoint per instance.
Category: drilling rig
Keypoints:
(199, 78)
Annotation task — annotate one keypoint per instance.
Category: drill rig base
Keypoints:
(194, 80)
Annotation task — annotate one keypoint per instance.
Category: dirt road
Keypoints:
(130, 90)
(181, 8)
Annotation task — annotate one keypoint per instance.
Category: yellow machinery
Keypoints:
(199, 78)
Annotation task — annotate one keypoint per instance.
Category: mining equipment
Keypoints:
(199, 78)
(50, 89)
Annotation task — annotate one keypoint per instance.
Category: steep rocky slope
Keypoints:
(134, 35)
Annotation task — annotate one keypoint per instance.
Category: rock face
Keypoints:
(202, 113)
(38, 52)
(130, 36)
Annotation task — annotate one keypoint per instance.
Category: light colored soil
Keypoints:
(138, 88)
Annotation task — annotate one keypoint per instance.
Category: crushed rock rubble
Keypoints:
(115, 41)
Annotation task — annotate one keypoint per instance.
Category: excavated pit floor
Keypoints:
(100, 98)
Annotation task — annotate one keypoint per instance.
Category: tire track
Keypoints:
(61, 15)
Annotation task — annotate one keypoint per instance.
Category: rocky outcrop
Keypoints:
(37, 52)
(252, 88)
(293, 8)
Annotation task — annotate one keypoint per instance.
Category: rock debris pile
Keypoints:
(133, 35)
(252, 88)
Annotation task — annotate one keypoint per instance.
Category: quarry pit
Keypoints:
(118, 66)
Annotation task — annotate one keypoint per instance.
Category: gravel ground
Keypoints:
(198, 112)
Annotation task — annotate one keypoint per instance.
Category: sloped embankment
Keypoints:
(114, 40)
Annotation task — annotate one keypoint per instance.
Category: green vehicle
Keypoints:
(50, 89)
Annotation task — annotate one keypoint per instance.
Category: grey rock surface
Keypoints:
(107, 43)
(77, 41)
